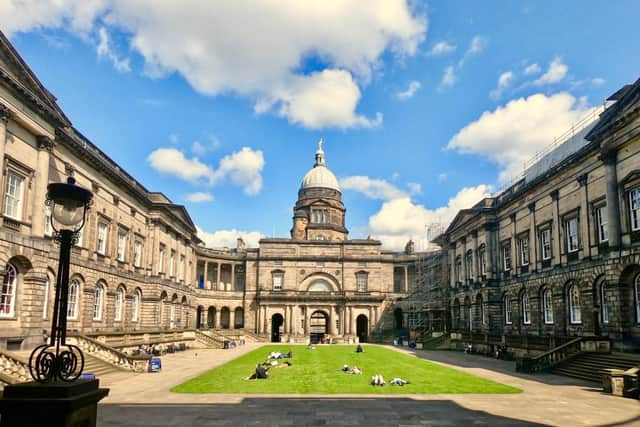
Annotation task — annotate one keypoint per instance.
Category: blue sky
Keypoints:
(425, 107)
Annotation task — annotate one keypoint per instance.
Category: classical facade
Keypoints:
(557, 254)
(139, 264)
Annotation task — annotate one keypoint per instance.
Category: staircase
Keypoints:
(436, 343)
(591, 366)
(99, 367)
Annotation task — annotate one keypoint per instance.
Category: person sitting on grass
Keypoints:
(378, 379)
(359, 349)
(356, 370)
(260, 373)
(398, 381)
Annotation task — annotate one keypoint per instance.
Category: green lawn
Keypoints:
(317, 371)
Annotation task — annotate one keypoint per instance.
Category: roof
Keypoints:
(320, 176)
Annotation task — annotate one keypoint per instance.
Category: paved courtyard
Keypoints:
(145, 400)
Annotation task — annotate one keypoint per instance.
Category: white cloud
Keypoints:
(448, 78)
(532, 69)
(504, 81)
(105, 51)
(598, 81)
(200, 197)
(442, 177)
(476, 46)
(556, 71)
(515, 132)
(229, 238)
(401, 219)
(411, 90)
(243, 168)
(171, 161)
(201, 149)
(256, 50)
(414, 187)
(372, 188)
(441, 48)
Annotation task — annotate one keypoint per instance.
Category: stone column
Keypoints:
(555, 231)
(452, 265)
(265, 319)
(5, 114)
(219, 268)
(370, 320)
(584, 236)
(232, 318)
(613, 205)
(533, 237)
(233, 278)
(474, 258)
(375, 315)
(515, 259)
(307, 319)
(45, 144)
(406, 278)
(332, 325)
(206, 285)
(352, 329)
(216, 323)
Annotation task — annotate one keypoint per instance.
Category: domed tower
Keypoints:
(319, 212)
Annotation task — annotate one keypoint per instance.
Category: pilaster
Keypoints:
(613, 206)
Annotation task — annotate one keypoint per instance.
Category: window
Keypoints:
(458, 269)
(483, 312)
(603, 303)
(172, 263)
(320, 216)
(13, 196)
(8, 295)
(526, 308)
(45, 303)
(137, 253)
(571, 229)
(48, 229)
(361, 282)
(506, 256)
(634, 208)
(601, 224)
(98, 302)
(482, 260)
(181, 268)
(122, 245)
(507, 310)
(161, 260)
(547, 306)
(637, 286)
(277, 280)
(545, 243)
(468, 265)
(72, 303)
(135, 305)
(102, 238)
(523, 248)
(575, 316)
(119, 304)
(79, 235)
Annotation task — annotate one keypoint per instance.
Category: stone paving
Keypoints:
(145, 400)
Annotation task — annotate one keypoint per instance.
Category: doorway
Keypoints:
(318, 326)
(276, 325)
(362, 328)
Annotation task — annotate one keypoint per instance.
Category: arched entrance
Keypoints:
(276, 326)
(318, 326)
(398, 318)
(200, 317)
(224, 318)
(362, 328)
(238, 318)
(211, 317)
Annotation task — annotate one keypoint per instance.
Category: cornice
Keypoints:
(44, 143)
(5, 114)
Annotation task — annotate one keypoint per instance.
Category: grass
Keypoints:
(317, 371)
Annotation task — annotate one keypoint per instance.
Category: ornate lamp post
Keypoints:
(58, 360)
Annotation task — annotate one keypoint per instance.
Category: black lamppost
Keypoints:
(58, 360)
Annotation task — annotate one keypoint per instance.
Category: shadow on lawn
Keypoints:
(303, 412)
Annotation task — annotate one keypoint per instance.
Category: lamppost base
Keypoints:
(61, 404)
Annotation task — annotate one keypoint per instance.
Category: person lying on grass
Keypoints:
(345, 369)
(274, 355)
(398, 381)
(378, 379)
(284, 365)
(356, 371)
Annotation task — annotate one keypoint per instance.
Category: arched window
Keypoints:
(507, 310)
(72, 304)
(98, 302)
(547, 306)
(637, 292)
(8, 296)
(575, 316)
(526, 308)
(135, 305)
(45, 302)
(319, 286)
(119, 304)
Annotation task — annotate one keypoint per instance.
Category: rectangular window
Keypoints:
(361, 282)
(506, 256)
(320, 216)
(601, 224)
(277, 281)
(523, 247)
(507, 311)
(482, 261)
(468, 267)
(102, 238)
(634, 208)
(48, 229)
(13, 196)
(122, 245)
(571, 229)
(161, 259)
(545, 243)
(137, 253)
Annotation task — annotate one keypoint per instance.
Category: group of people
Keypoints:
(378, 379)
(347, 370)
(272, 361)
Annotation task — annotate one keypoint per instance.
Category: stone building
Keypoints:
(557, 254)
(139, 265)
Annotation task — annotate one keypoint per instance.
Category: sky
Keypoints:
(425, 107)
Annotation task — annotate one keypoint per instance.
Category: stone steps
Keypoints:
(591, 366)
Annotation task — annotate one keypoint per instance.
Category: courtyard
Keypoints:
(147, 399)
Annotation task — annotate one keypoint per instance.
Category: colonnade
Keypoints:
(235, 279)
